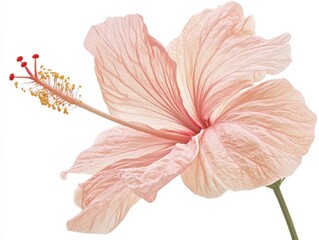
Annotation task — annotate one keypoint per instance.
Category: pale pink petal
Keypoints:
(259, 137)
(146, 181)
(105, 200)
(248, 27)
(217, 56)
(136, 75)
(116, 144)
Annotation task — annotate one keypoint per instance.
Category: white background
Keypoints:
(37, 143)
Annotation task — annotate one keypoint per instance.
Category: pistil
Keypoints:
(56, 92)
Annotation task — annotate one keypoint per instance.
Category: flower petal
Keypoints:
(146, 181)
(217, 57)
(116, 144)
(136, 75)
(259, 137)
(105, 200)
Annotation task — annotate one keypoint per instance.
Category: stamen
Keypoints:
(56, 91)
(47, 78)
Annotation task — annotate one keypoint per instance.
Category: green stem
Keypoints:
(276, 188)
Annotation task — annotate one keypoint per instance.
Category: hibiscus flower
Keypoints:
(199, 108)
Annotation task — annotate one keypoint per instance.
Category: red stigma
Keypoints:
(11, 77)
(30, 75)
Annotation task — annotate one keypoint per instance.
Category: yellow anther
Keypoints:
(57, 99)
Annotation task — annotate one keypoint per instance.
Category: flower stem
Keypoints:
(276, 188)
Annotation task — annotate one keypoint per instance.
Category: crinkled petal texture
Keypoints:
(136, 75)
(116, 144)
(105, 198)
(240, 136)
(258, 138)
(217, 56)
(146, 181)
